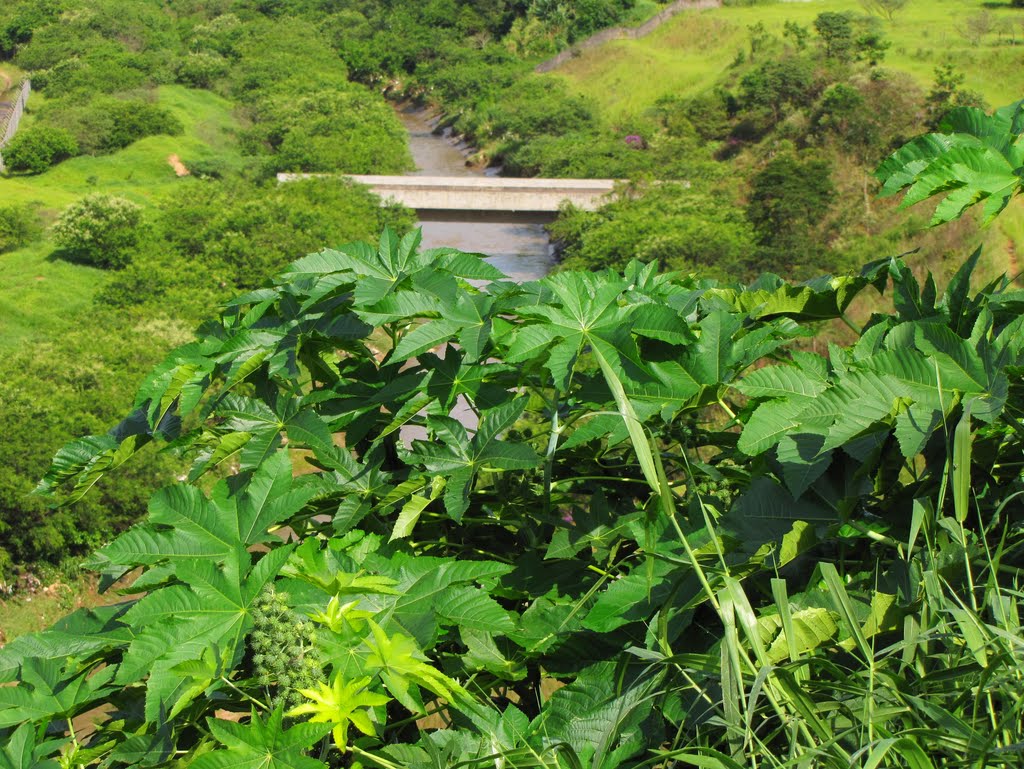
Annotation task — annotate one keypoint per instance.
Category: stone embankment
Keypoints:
(625, 33)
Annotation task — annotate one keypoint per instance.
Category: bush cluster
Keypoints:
(35, 148)
(19, 226)
(106, 124)
(100, 230)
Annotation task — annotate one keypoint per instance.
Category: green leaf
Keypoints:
(262, 744)
(52, 689)
(770, 422)
(471, 608)
(426, 337)
(812, 628)
(408, 516)
(21, 751)
(977, 159)
(598, 721)
(802, 461)
(778, 382)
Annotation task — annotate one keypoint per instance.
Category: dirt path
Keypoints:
(6, 80)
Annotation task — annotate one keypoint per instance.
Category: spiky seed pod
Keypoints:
(284, 655)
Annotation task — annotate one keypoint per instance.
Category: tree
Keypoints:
(779, 85)
(797, 32)
(760, 39)
(885, 8)
(978, 26)
(19, 226)
(870, 44)
(100, 230)
(788, 199)
(836, 33)
(948, 92)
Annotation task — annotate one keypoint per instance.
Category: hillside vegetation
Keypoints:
(124, 99)
(693, 51)
(698, 52)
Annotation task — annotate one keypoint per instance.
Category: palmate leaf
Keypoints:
(770, 296)
(402, 666)
(21, 751)
(460, 458)
(422, 587)
(262, 744)
(180, 623)
(51, 689)
(184, 525)
(604, 725)
(976, 158)
(585, 310)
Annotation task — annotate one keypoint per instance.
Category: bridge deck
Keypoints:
(482, 193)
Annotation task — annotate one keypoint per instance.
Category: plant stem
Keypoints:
(253, 700)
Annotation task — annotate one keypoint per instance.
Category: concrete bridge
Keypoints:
(482, 193)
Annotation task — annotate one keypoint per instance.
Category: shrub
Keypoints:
(36, 148)
(107, 124)
(19, 226)
(216, 238)
(201, 70)
(100, 230)
(691, 530)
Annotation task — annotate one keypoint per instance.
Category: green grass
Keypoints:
(39, 294)
(690, 53)
(139, 172)
(1007, 237)
(32, 612)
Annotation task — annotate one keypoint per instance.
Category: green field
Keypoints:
(38, 293)
(690, 53)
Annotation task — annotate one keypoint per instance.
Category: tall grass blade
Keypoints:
(962, 464)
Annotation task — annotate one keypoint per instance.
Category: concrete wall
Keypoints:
(625, 33)
(10, 125)
(456, 193)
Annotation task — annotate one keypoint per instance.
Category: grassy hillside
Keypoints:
(691, 52)
(695, 51)
(38, 294)
(141, 171)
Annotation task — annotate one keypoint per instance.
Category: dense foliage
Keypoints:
(602, 519)
(99, 230)
(192, 253)
(38, 147)
(19, 226)
(98, 65)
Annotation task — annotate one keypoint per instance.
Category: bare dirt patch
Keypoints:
(179, 168)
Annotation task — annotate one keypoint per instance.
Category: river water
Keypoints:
(518, 245)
